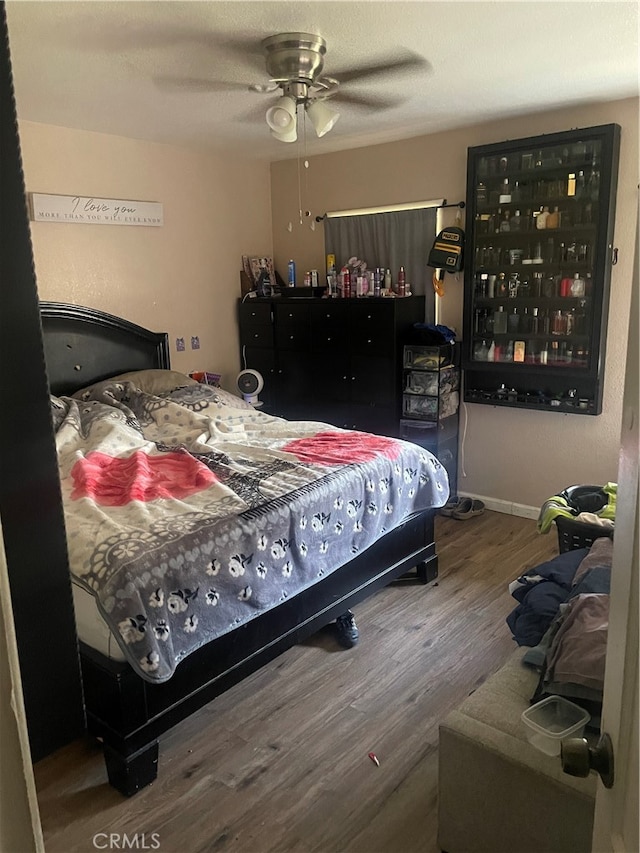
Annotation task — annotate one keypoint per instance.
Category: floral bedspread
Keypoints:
(190, 513)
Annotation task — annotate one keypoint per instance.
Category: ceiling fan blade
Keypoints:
(373, 102)
(406, 62)
(197, 84)
(140, 35)
(256, 113)
(249, 48)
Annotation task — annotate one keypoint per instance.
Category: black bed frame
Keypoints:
(128, 714)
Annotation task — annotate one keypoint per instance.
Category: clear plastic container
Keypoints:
(551, 721)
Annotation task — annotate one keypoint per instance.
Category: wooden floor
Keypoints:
(279, 763)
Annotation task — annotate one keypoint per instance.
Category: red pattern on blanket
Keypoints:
(113, 481)
(342, 448)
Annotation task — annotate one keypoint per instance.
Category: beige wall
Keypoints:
(516, 456)
(182, 278)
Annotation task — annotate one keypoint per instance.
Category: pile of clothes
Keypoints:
(563, 616)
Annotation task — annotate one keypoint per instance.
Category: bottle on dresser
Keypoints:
(402, 284)
(377, 279)
(345, 275)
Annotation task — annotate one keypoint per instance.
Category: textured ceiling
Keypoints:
(177, 72)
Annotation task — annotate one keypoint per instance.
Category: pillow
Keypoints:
(153, 381)
(227, 398)
(193, 397)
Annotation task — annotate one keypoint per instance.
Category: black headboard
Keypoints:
(84, 345)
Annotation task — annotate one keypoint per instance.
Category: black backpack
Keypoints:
(447, 251)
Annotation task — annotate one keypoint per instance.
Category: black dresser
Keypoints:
(332, 360)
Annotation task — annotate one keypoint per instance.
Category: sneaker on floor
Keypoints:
(468, 508)
(347, 630)
(450, 507)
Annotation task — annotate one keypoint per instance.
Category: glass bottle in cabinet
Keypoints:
(540, 215)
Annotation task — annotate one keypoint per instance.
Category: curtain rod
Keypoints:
(390, 208)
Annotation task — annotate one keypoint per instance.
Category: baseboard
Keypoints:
(506, 507)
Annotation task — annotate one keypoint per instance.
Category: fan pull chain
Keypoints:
(298, 164)
(307, 213)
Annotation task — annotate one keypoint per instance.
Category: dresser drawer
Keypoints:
(292, 314)
(372, 340)
(292, 336)
(331, 311)
(254, 313)
(366, 315)
(257, 336)
(330, 335)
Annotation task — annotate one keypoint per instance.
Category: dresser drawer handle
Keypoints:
(369, 341)
(328, 339)
(290, 337)
(256, 335)
(290, 314)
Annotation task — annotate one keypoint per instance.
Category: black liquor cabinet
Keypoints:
(540, 215)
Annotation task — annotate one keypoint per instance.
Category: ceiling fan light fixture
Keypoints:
(281, 117)
(288, 135)
(322, 116)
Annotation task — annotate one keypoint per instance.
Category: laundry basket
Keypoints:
(572, 533)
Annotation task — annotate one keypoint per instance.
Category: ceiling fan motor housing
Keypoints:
(295, 56)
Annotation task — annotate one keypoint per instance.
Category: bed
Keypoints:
(272, 542)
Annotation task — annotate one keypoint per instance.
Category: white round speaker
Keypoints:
(250, 383)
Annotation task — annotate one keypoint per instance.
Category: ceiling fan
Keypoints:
(295, 65)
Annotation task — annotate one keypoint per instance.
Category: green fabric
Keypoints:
(609, 511)
(550, 510)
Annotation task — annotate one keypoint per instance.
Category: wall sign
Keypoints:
(88, 210)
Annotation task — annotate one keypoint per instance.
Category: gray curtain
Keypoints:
(389, 240)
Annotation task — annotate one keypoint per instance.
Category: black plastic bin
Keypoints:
(573, 534)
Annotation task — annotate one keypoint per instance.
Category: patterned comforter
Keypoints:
(190, 513)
